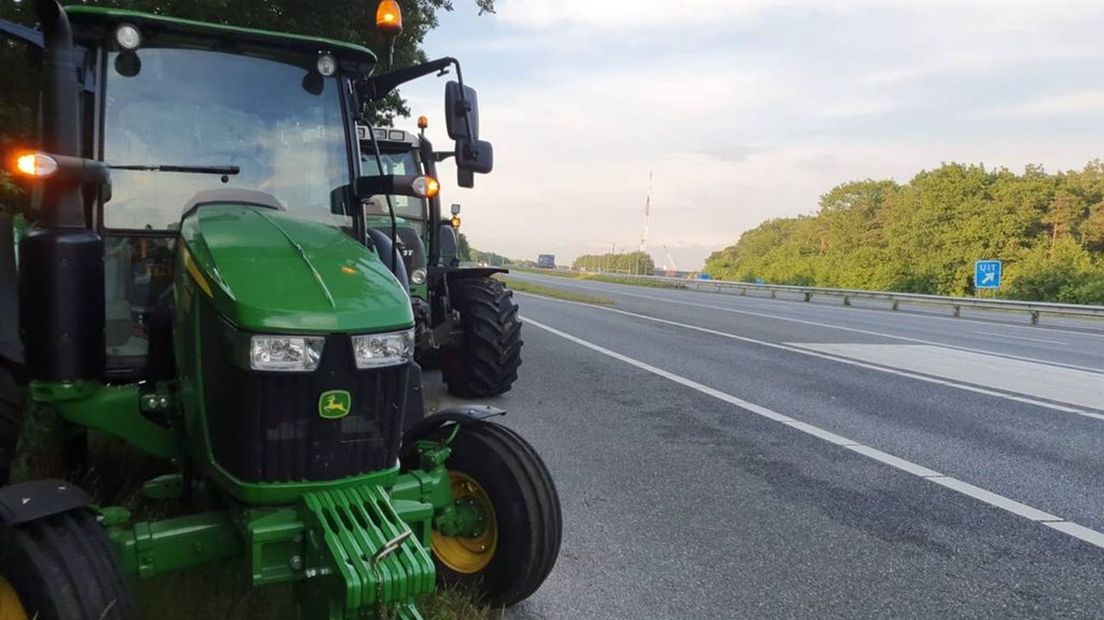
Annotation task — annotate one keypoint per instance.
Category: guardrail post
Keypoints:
(1034, 317)
(773, 294)
(957, 309)
(846, 300)
(808, 296)
(895, 303)
(743, 291)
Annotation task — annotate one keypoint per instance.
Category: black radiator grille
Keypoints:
(266, 427)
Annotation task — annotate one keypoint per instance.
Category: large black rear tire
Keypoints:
(486, 361)
(13, 399)
(62, 567)
(526, 514)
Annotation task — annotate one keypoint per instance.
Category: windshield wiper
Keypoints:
(224, 170)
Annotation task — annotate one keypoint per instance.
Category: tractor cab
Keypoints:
(197, 276)
(179, 116)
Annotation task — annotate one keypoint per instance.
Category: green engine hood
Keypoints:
(268, 271)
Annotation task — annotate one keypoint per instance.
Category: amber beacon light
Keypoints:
(389, 17)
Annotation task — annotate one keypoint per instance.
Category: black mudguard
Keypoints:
(459, 414)
(29, 501)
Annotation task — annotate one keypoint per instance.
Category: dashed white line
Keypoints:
(1021, 338)
(1069, 528)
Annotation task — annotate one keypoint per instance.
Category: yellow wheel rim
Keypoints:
(10, 606)
(464, 554)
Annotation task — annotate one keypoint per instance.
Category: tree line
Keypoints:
(924, 236)
(627, 262)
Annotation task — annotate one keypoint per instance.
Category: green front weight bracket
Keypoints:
(363, 560)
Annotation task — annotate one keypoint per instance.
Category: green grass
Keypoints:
(597, 277)
(523, 286)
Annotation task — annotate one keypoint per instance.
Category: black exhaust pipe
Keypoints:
(61, 276)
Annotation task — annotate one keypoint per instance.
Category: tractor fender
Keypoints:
(460, 273)
(36, 499)
(457, 414)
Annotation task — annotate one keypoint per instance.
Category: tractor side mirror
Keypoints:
(475, 156)
(461, 112)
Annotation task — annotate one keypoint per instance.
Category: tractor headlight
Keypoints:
(128, 37)
(376, 350)
(327, 64)
(285, 353)
(418, 276)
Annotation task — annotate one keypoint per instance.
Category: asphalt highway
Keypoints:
(732, 457)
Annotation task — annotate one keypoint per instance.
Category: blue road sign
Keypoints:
(987, 274)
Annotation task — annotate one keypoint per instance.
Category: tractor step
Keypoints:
(375, 564)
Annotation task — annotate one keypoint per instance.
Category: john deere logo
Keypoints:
(334, 404)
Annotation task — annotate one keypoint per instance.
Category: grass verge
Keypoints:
(523, 286)
(598, 277)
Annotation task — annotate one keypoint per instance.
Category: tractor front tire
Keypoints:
(61, 567)
(13, 398)
(493, 466)
(486, 361)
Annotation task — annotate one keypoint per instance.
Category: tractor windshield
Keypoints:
(280, 125)
(402, 162)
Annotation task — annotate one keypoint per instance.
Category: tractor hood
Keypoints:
(269, 271)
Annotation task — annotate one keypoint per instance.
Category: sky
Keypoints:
(741, 111)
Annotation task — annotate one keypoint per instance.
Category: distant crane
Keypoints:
(647, 222)
(671, 266)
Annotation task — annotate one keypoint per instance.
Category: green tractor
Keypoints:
(197, 278)
(466, 321)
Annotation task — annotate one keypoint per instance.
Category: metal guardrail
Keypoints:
(807, 293)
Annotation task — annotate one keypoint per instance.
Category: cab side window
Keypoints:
(20, 71)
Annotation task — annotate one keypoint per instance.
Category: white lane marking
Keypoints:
(993, 499)
(1000, 501)
(899, 463)
(1022, 338)
(1078, 531)
(763, 300)
(847, 329)
(1065, 385)
(841, 360)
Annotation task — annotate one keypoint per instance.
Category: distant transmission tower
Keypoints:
(647, 223)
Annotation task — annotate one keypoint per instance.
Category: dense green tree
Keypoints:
(924, 236)
(629, 262)
(464, 248)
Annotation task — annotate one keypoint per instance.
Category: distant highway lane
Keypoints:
(725, 456)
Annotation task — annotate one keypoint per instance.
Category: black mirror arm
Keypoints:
(443, 155)
(23, 33)
(378, 87)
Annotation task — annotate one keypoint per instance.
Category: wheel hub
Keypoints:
(468, 554)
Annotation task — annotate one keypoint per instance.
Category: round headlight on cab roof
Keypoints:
(327, 64)
(128, 37)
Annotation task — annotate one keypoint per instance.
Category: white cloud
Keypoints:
(1050, 107)
(757, 124)
(672, 14)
